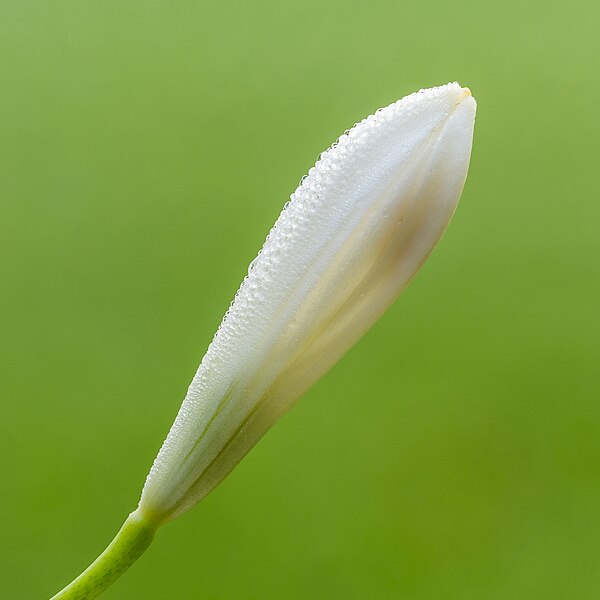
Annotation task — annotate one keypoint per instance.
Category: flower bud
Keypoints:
(354, 233)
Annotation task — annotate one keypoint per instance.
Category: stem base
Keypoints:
(129, 544)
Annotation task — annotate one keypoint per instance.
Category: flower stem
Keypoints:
(129, 544)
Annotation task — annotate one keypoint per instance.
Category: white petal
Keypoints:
(355, 232)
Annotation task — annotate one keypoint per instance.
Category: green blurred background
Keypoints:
(145, 150)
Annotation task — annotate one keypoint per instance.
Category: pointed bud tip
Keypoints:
(453, 92)
(467, 95)
(462, 96)
(464, 93)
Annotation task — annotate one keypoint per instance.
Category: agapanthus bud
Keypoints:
(354, 233)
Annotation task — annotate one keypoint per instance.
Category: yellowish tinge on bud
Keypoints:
(354, 233)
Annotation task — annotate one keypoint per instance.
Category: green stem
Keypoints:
(129, 544)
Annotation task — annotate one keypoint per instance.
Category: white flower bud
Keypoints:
(355, 232)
